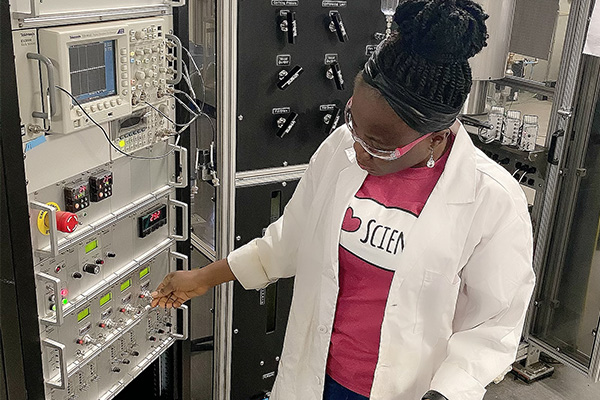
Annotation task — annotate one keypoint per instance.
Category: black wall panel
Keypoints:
(259, 317)
(261, 40)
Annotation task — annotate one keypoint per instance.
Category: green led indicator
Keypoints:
(125, 284)
(91, 246)
(53, 308)
(82, 314)
(65, 301)
(106, 298)
(144, 272)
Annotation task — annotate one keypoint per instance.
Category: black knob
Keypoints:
(287, 125)
(338, 26)
(135, 353)
(77, 275)
(110, 255)
(168, 324)
(290, 77)
(161, 331)
(332, 119)
(292, 27)
(116, 369)
(336, 74)
(152, 339)
(91, 269)
(125, 361)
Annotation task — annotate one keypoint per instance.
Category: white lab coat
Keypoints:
(458, 299)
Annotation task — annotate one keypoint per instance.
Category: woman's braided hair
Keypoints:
(428, 53)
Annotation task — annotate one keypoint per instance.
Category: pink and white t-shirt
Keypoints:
(375, 231)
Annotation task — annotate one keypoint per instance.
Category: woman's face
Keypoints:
(376, 123)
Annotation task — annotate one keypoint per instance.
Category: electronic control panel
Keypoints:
(103, 164)
(291, 91)
(95, 72)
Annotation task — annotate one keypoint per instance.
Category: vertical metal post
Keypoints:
(227, 16)
(182, 350)
(477, 97)
(564, 98)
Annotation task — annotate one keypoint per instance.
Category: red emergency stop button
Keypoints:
(66, 221)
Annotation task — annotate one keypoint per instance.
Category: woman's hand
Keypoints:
(178, 287)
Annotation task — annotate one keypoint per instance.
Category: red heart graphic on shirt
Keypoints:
(351, 223)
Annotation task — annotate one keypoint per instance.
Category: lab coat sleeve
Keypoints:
(497, 283)
(266, 259)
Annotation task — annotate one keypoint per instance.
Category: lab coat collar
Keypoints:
(457, 181)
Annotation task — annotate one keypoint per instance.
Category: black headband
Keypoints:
(421, 114)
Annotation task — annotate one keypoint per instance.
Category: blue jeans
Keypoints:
(335, 391)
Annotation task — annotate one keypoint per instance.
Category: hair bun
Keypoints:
(442, 30)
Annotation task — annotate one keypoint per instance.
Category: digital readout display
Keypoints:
(82, 314)
(106, 298)
(92, 70)
(91, 246)
(152, 221)
(125, 284)
(144, 272)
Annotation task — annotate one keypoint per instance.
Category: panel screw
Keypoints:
(235, 331)
(277, 358)
(262, 363)
(238, 238)
(284, 184)
(240, 117)
(285, 163)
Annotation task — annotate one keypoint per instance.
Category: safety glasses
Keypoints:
(386, 155)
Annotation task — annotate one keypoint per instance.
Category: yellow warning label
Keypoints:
(42, 220)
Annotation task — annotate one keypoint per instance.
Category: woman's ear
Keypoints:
(438, 137)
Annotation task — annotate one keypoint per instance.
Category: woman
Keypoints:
(411, 250)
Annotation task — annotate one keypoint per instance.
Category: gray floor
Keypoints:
(565, 384)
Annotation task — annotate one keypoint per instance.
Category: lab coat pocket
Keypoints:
(436, 304)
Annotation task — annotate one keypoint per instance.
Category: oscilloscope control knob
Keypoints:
(140, 75)
(140, 35)
(91, 269)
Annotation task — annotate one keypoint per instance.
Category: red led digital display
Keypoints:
(155, 216)
(152, 221)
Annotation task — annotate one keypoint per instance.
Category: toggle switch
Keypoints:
(337, 25)
(332, 119)
(287, 78)
(286, 124)
(290, 26)
(334, 72)
(77, 275)
(110, 255)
